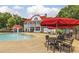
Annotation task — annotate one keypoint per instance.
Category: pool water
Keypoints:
(14, 37)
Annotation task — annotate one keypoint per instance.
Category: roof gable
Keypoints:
(38, 16)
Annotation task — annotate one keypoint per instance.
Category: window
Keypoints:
(38, 22)
(37, 28)
(35, 18)
(31, 29)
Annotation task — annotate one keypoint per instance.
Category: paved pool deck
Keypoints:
(35, 45)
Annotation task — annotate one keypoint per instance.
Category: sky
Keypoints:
(27, 11)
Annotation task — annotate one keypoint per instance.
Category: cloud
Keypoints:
(17, 7)
(4, 9)
(41, 10)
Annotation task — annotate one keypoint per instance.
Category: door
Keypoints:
(31, 29)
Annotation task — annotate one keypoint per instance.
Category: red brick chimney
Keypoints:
(45, 15)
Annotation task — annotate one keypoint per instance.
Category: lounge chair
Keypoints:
(67, 46)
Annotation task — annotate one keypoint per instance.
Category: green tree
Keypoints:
(70, 11)
(17, 19)
(14, 20)
(7, 19)
(11, 22)
(3, 19)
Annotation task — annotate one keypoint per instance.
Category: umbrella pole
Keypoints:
(56, 29)
(75, 33)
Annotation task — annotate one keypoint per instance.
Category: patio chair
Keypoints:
(69, 35)
(60, 38)
(47, 43)
(58, 45)
(58, 42)
(50, 43)
(67, 46)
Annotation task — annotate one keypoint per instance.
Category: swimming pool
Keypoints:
(14, 37)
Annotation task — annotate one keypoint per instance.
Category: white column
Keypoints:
(35, 27)
(27, 29)
(24, 27)
(40, 28)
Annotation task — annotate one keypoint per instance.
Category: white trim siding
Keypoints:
(34, 25)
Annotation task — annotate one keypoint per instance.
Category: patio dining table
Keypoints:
(53, 36)
(65, 40)
(58, 43)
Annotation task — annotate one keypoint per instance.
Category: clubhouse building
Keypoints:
(34, 24)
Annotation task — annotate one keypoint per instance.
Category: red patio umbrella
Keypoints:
(57, 22)
(60, 23)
